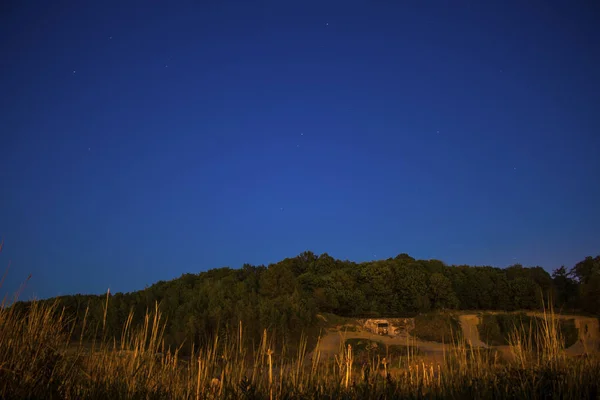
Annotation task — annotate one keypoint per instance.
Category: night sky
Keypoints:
(140, 140)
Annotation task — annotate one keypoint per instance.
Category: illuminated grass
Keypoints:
(39, 358)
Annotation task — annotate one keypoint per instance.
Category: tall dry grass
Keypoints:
(40, 358)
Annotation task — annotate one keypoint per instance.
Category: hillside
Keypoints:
(286, 297)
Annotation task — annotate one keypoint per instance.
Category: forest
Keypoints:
(286, 297)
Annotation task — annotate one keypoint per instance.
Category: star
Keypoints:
(74, 72)
(110, 37)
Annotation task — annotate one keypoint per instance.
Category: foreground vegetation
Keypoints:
(41, 358)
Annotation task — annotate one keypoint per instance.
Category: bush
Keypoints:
(361, 346)
(495, 329)
(437, 327)
(365, 350)
(490, 332)
(569, 332)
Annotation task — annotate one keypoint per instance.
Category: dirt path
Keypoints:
(469, 323)
(331, 343)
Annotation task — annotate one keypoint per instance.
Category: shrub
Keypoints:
(437, 327)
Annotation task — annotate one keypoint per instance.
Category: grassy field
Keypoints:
(40, 359)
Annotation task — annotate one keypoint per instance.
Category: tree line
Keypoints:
(286, 297)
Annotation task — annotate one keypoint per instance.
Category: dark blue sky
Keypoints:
(141, 140)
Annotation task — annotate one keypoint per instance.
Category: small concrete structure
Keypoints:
(389, 327)
(378, 326)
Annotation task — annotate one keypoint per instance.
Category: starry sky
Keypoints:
(142, 140)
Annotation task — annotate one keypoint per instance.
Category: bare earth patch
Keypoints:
(469, 323)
